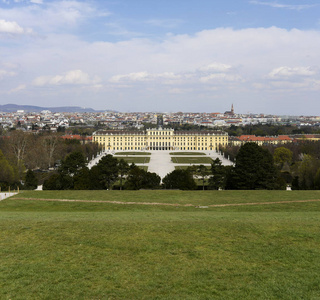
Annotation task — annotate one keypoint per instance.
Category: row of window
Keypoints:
(173, 148)
(162, 143)
(142, 138)
(160, 132)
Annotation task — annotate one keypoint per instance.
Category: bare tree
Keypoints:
(36, 156)
(50, 143)
(19, 141)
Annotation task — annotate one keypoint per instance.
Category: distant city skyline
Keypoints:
(14, 108)
(166, 56)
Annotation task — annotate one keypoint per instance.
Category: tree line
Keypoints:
(109, 173)
(21, 152)
(270, 130)
(254, 169)
(297, 164)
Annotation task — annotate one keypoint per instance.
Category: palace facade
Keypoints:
(160, 139)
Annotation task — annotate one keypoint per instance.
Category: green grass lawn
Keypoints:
(169, 196)
(134, 159)
(58, 250)
(191, 160)
(145, 168)
(132, 153)
(186, 167)
(187, 153)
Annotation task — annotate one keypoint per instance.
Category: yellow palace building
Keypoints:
(160, 139)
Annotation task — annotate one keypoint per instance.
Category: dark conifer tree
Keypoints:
(179, 179)
(31, 181)
(254, 169)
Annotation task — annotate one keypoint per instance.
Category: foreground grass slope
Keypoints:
(57, 250)
(176, 196)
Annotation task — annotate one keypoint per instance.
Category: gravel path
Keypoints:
(94, 161)
(6, 195)
(160, 163)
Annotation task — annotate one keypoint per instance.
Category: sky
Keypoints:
(171, 55)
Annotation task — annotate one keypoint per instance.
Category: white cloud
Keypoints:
(180, 90)
(5, 73)
(221, 77)
(52, 16)
(143, 76)
(118, 30)
(218, 73)
(164, 23)
(13, 28)
(287, 72)
(139, 76)
(304, 86)
(75, 77)
(210, 60)
(290, 79)
(216, 68)
(214, 72)
(285, 6)
(19, 88)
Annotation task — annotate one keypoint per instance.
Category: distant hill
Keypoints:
(30, 108)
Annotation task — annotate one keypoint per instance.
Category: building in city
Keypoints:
(230, 112)
(160, 139)
(260, 140)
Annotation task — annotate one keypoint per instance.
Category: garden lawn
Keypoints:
(186, 167)
(134, 159)
(57, 250)
(191, 160)
(132, 153)
(145, 168)
(187, 153)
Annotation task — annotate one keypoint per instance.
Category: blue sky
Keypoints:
(189, 16)
(147, 55)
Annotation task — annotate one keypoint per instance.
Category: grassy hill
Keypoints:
(133, 249)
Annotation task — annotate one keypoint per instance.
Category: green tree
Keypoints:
(282, 156)
(8, 173)
(135, 179)
(295, 183)
(202, 172)
(123, 169)
(317, 180)
(254, 169)
(31, 181)
(218, 179)
(108, 171)
(140, 179)
(94, 179)
(74, 162)
(152, 181)
(307, 170)
(179, 179)
(58, 182)
(82, 180)
(52, 183)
